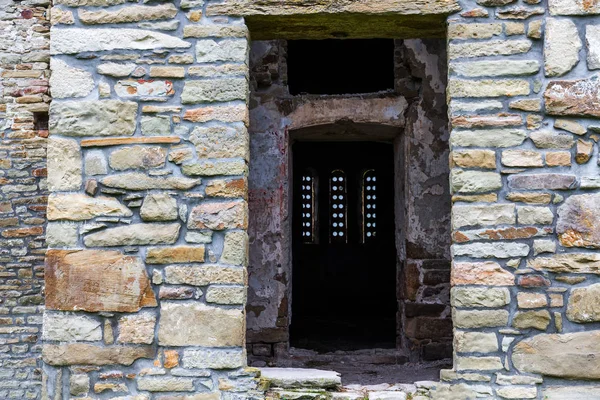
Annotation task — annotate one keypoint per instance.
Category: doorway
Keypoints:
(343, 247)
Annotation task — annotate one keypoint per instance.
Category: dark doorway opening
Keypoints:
(343, 250)
(339, 66)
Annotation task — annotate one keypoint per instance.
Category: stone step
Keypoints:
(299, 378)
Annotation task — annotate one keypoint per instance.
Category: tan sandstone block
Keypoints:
(87, 354)
(486, 273)
(558, 159)
(179, 254)
(474, 158)
(219, 215)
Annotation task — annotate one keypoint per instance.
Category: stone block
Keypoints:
(474, 181)
(216, 31)
(479, 297)
(230, 113)
(61, 234)
(478, 363)
(215, 167)
(475, 342)
(578, 222)
(518, 392)
(488, 138)
(542, 181)
(205, 325)
(204, 275)
(155, 125)
(137, 157)
(63, 327)
(140, 181)
(214, 90)
(483, 215)
(531, 300)
(570, 126)
(584, 304)
(532, 319)
(474, 158)
(96, 280)
(167, 72)
(558, 159)
(227, 188)
(573, 7)
(175, 255)
(92, 118)
(116, 70)
(64, 164)
(134, 235)
(67, 81)
(531, 215)
(213, 358)
(226, 294)
(490, 250)
(571, 392)
(127, 14)
(561, 46)
(488, 48)
(221, 141)
(584, 151)
(522, 158)
(95, 163)
(138, 328)
(479, 318)
(592, 40)
(219, 215)
(495, 68)
(145, 89)
(488, 88)
(79, 384)
(573, 97)
(208, 50)
(165, 384)
(569, 355)
(159, 207)
(81, 207)
(88, 354)
(78, 40)
(235, 248)
(551, 140)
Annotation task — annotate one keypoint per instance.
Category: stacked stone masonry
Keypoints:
(145, 267)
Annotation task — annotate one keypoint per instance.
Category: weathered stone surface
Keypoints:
(558, 159)
(175, 255)
(81, 207)
(234, 113)
(488, 88)
(488, 138)
(526, 105)
(159, 207)
(480, 297)
(64, 163)
(578, 222)
(475, 342)
(550, 140)
(226, 294)
(219, 215)
(474, 181)
(128, 14)
(196, 324)
(138, 328)
(529, 215)
(529, 197)
(93, 118)
(165, 384)
(87, 354)
(215, 167)
(79, 384)
(73, 279)
(206, 31)
(146, 89)
(542, 181)
(495, 68)
(221, 141)
(490, 250)
(204, 275)
(474, 158)
(167, 72)
(570, 126)
(213, 90)
(60, 16)
(510, 233)
(94, 3)
(575, 97)
(139, 181)
(522, 158)
(297, 378)
(489, 48)
(584, 304)
(134, 235)
(67, 81)
(592, 40)
(584, 151)
(115, 69)
(137, 157)
(561, 46)
(61, 234)
(156, 125)
(228, 188)
(478, 363)
(531, 300)
(235, 248)
(571, 392)
(208, 50)
(213, 358)
(532, 319)
(495, 214)
(71, 328)
(77, 40)
(569, 355)
(582, 263)
(95, 163)
(479, 319)
(543, 246)
(589, 182)
(474, 31)
(517, 392)
(573, 7)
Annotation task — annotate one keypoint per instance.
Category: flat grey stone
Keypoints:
(290, 378)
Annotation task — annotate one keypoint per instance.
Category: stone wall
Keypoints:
(145, 271)
(24, 56)
(524, 183)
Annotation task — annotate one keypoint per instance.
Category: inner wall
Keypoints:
(413, 117)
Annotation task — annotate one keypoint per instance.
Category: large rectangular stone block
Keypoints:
(88, 354)
(219, 215)
(575, 97)
(213, 90)
(93, 118)
(95, 280)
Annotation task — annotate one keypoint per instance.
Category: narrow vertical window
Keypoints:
(308, 207)
(369, 208)
(338, 212)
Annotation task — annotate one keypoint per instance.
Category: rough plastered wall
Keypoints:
(24, 56)
(524, 106)
(145, 271)
(417, 111)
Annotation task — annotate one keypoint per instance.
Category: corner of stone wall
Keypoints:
(524, 181)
